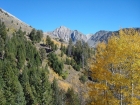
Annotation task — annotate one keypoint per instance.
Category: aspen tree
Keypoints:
(117, 65)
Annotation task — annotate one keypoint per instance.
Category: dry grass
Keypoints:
(53, 75)
(64, 85)
(61, 83)
(55, 42)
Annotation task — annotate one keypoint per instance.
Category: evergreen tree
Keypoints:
(3, 31)
(39, 35)
(44, 90)
(1, 48)
(42, 53)
(71, 98)
(48, 41)
(21, 57)
(69, 47)
(55, 63)
(67, 61)
(37, 59)
(24, 80)
(62, 54)
(32, 34)
(13, 90)
(57, 94)
(2, 97)
(55, 47)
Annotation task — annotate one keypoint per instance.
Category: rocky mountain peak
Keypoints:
(62, 32)
(63, 27)
(65, 33)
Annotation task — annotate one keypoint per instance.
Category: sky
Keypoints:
(86, 16)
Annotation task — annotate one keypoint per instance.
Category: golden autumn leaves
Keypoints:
(117, 70)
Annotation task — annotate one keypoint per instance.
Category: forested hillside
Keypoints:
(23, 80)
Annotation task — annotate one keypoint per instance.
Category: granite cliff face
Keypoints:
(65, 33)
(76, 35)
(62, 33)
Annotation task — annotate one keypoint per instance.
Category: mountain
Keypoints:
(13, 23)
(65, 34)
(76, 35)
(62, 32)
(92, 39)
(103, 35)
(99, 37)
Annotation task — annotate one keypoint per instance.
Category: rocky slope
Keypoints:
(99, 37)
(13, 23)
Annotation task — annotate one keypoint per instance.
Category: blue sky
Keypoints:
(86, 16)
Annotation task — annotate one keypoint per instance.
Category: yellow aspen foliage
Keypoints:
(117, 70)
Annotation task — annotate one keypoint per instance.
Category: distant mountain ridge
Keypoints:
(13, 24)
(65, 34)
(92, 39)
(99, 36)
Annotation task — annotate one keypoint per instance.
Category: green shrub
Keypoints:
(64, 74)
(83, 78)
(76, 67)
